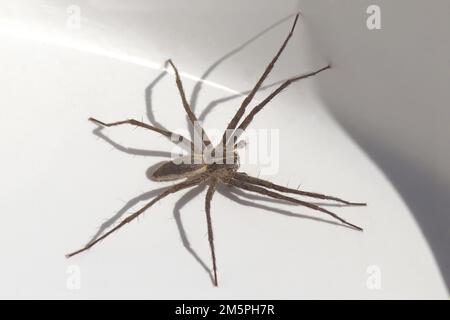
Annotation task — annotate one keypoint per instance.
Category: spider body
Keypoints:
(187, 166)
(222, 172)
(170, 171)
(197, 168)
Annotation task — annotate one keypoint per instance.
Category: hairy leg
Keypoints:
(239, 196)
(250, 187)
(209, 195)
(264, 183)
(214, 103)
(181, 202)
(131, 217)
(248, 119)
(237, 117)
(174, 137)
(187, 107)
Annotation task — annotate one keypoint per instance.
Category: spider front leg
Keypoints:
(249, 118)
(177, 187)
(239, 183)
(193, 119)
(264, 183)
(174, 137)
(237, 117)
(209, 195)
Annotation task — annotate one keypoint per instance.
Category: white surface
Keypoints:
(59, 182)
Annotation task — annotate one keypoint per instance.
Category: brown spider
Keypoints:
(216, 172)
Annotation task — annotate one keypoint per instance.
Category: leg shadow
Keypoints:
(213, 104)
(191, 194)
(130, 204)
(134, 151)
(194, 192)
(149, 98)
(239, 197)
(199, 84)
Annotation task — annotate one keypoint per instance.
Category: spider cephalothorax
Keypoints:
(197, 169)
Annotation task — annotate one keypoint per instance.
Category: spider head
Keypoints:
(229, 163)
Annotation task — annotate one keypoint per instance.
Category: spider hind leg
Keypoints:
(239, 183)
(175, 188)
(270, 185)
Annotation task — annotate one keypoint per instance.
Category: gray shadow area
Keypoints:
(388, 89)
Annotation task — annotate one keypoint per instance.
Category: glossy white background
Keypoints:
(60, 181)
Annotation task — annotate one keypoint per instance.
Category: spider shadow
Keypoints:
(129, 205)
(241, 197)
(199, 84)
(236, 195)
(147, 196)
(188, 196)
(98, 132)
(249, 200)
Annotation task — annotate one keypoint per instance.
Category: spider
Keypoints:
(217, 172)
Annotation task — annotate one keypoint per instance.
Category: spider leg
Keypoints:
(241, 197)
(188, 196)
(195, 123)
(131, 217)
(250, 187)
(174, 137)
(209, 195)
(199, 85)
(248, 119)
(237, 117)
(134, 151)
(264, 183)
(208, 109)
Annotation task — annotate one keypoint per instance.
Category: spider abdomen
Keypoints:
(170, 170)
